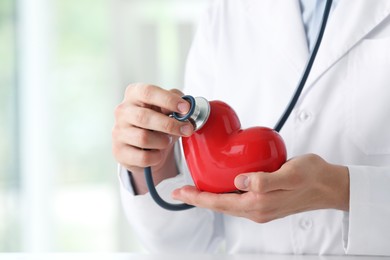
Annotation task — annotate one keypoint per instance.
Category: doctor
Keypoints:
(333, 195)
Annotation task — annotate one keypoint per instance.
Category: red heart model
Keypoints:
(221, 150)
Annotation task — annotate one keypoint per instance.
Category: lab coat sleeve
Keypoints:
(163, 231)
(367, 225)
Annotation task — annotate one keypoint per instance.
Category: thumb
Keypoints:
(261, 182)
(242, 182)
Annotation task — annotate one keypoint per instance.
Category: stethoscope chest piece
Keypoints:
(198, 114)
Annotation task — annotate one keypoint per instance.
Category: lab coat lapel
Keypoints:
(281, 21)
(349, 23)
(282, 25)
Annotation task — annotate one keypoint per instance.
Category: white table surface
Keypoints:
(130, 256)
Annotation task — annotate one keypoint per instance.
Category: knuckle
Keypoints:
(170, 101)
(140, 116)
(129, 161)
(262, 212)
(130, 89)
(115, 132)
(144, 159)
(143, 138)
(148, 158)
(145, 92)
(119, 153)
(115, 150)
(262, 204)
(293, 169)
(259, 200)
(176, 91)
(259, 183)
(169, 126)
(294, 176)
(118, 111)
(261, 219)
(313, 157)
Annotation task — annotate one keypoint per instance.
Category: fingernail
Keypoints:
(183, 107)
(175, 194)
(186, 130)
(241, 182)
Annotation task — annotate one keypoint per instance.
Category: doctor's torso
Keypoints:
(256, 61)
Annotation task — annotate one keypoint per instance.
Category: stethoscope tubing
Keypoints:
(307, 70)
(156, 197)
(148, 171)
(279, 125)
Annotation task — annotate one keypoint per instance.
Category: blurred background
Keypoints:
(64, 65)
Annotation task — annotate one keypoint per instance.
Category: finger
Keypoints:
(145, 139)
(176, 91)
(217, 202)
(156, 96)
(130, 156)
(149, 119)
(263, 182)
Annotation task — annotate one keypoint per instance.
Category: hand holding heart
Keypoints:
(304, 183)
(220, 150)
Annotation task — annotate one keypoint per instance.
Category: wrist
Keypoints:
(167, 170)
(338, 192)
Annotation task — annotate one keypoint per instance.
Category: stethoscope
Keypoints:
(148, 171)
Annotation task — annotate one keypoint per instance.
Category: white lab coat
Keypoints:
(250, 54)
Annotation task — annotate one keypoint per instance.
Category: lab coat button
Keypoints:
(306, 224)
(304, 116)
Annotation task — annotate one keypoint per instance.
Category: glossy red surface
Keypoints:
(221, 150)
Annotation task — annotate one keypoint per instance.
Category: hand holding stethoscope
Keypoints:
(143, 135)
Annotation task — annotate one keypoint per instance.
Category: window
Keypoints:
(9, 179)
(63, 68)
